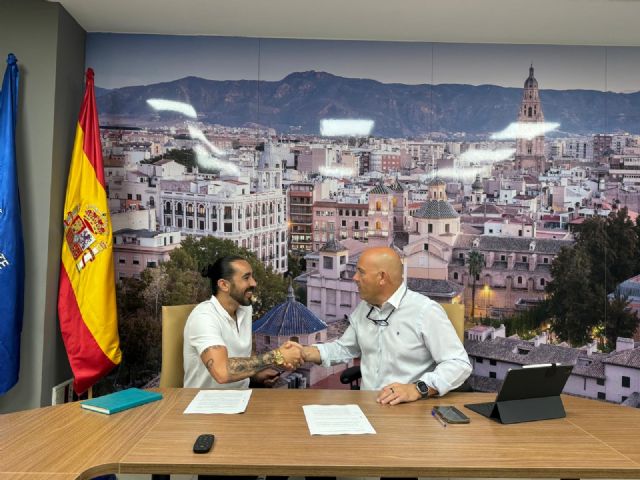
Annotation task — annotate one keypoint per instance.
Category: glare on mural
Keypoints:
(345, 127)
(209, 162)
(206, 153)
(197, 134)
(525, 130)
(161, 104)
(480, 156)
(466, 174)
(336, 172)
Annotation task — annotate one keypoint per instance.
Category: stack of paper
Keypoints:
(336, 420)
(219, 401)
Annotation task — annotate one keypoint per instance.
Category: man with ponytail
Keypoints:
(217, 336)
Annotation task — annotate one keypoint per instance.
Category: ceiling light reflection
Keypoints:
(207, 161)
(196, 134)
(336, 172)
(525, 130)
(465, 175)
(345, 127)
(161, 104)
(497, 155)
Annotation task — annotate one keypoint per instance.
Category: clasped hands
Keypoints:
(292, 352)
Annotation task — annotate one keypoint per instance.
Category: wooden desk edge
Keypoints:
(119, 464)
(364, 471)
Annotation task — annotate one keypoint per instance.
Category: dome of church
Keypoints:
(436, 209)
(380, 190)
(289, 319)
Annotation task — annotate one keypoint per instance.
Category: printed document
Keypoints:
(336, 420)
(219, 401)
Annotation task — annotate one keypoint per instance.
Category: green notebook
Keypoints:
(122, 400)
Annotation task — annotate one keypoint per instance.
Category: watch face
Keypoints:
(422, 388)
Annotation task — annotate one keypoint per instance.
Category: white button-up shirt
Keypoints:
(210, 324)
(419, 343)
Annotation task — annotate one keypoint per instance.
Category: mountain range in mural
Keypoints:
(299, 101)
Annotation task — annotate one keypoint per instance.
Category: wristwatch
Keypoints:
(278, 358)
(422, 388)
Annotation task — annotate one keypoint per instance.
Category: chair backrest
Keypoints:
(455, 312)
(173, 320)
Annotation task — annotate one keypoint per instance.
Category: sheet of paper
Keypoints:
(336, 420)
(219, 401)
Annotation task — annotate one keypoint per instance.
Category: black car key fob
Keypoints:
(203, 443)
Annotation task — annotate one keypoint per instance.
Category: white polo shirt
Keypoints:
(210, 324)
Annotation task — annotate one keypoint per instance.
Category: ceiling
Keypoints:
(566, 22)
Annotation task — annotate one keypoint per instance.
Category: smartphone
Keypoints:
(450, 414)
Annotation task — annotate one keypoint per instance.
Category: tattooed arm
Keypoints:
(226, 370)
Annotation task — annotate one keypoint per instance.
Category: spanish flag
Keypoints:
(86, 296)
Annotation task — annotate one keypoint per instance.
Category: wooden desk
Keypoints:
(596, 440)
(70, 441)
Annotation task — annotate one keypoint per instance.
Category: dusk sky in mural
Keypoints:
(121, 60)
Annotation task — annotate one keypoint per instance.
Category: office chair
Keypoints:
(173, 320)
(455, 312)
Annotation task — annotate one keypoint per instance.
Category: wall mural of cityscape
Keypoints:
(507, 176)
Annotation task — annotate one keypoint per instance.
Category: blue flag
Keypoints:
(11, 246)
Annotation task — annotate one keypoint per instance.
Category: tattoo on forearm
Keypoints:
(246, 367)
(240, 368)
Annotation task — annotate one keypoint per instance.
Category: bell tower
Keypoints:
(530, 150)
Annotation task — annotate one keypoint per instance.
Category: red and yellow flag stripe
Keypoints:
(86, 296)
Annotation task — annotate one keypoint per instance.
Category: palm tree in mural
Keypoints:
(475, 261)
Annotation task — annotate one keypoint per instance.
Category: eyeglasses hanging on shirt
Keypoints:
(383, 322)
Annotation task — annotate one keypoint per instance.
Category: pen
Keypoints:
(437, 417)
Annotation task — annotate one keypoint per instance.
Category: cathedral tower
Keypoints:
(530, 151)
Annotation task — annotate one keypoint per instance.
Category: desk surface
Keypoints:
(595, 440)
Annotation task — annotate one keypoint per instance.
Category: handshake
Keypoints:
(292, 355)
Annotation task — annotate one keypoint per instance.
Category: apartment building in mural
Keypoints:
(613, 376)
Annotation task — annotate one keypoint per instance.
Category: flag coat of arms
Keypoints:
(11, 244)
(86, 296)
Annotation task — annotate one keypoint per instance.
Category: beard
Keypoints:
(243, 298)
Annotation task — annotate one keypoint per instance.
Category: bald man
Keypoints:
(408, 348)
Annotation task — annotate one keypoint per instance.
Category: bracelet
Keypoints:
(278, 358)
